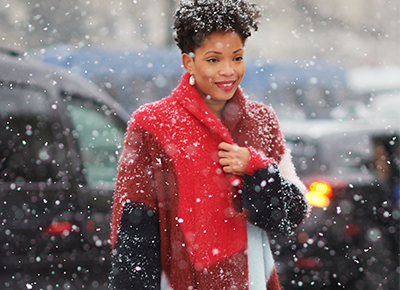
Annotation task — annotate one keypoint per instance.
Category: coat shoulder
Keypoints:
(260, 112)
(265, 129)
(153, 114)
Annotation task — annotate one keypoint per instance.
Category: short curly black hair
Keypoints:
(195, 20)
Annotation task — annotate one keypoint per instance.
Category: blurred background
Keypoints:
(351, 33)
(71, 73)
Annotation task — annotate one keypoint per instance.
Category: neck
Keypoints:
(217, 107)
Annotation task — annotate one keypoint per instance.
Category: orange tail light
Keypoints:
(319, 194)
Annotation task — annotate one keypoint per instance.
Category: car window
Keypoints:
(99, 135)
(304, 152)
(355, 154)
(318, 156)
(299, 103)
(30, 148)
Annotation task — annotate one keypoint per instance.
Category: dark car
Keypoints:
(60, 138)
(351, 238)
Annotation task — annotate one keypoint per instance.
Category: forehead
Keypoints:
(221, 41)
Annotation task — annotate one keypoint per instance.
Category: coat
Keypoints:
(179, 221)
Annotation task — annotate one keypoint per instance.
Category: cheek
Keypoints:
(242, 70)
(208, 73)
(241, 74)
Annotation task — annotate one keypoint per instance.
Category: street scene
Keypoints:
(72, 74)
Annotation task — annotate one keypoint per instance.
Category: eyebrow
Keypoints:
(217, 52)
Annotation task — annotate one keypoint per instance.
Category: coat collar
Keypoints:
(188, 96)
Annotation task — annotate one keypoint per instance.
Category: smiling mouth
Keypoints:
(226, 86)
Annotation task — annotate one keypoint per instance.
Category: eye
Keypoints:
(239, 58)
(212, 60)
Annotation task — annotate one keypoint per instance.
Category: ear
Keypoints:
(187, 62)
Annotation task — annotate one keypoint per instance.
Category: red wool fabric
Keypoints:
(170, 164)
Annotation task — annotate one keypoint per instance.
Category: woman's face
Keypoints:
(218, 66)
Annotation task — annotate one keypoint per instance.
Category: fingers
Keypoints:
(232, 158)
(234, 169)
(227, 147)
(224, 146)
(224, 162)
(224, 154)
(227, 169)
(224, 151)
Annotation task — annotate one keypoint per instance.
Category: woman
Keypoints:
(204, 173)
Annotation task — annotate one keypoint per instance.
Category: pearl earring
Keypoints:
(192, 81)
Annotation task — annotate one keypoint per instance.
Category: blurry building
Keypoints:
(353, 33)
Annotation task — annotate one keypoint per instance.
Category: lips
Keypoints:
(226, 85)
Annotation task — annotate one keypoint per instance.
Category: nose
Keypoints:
(226, 69)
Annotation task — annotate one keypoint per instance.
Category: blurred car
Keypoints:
(384, 110)
(367, 81)
(60, 138)
(351, 238)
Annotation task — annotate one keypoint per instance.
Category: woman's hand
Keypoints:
(233, 159)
